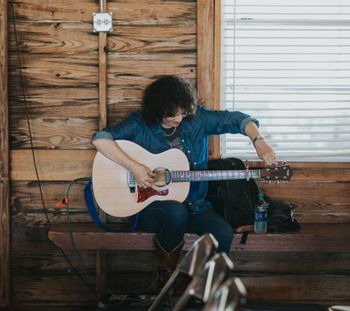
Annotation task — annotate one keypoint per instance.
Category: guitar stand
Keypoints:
(206, 282)
(228, 296)
(191, 264)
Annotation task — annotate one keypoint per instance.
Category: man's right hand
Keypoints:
(143, 175)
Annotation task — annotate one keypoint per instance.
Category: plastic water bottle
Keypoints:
(260, 219)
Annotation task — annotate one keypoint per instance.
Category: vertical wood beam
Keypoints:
(102, 95)
(208, 60)
(4, 162)
(102, 73)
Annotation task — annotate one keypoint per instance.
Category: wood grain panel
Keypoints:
(156, 12)
(52, 164)
(298, 288)
(54, 101)
(54, 38)
(27, 217)
(119, 110)
(82, 71)
(321, 174)
(333, 193)
(28, 208)
(52, 133)
(59, 38)
(180, 38)
(59, 290)
(45, 71)
(49, 260)
(143, 69)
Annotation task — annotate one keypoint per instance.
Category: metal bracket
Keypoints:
(102, 22)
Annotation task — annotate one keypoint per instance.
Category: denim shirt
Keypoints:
(194, 138)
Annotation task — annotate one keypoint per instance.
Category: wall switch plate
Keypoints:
(102, 22)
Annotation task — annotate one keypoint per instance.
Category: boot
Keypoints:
(167, 262)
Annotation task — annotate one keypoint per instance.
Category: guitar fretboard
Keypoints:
(183, 176)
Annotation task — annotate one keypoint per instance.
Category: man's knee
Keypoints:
(176, 212)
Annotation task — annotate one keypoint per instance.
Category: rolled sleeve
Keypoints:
(102, 135)
(244, 123)
(224, 121)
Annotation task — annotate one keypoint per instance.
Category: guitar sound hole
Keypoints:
(163, 177)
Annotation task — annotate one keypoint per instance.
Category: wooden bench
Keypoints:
(324, 238)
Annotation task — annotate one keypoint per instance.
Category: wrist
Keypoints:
(257, 138)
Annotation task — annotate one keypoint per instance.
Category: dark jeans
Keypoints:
(171, 219)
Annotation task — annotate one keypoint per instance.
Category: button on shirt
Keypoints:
(194, 138)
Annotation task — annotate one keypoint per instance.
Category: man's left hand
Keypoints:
(265, 152)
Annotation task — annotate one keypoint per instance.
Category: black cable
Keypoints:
(33, 152)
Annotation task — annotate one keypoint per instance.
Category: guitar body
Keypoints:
(110, 180)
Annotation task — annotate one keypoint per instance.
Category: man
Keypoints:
(171, 118)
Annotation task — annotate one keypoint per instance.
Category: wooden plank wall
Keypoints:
(59, 54)
(4, 162)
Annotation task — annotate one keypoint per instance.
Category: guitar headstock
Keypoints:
(280, 173)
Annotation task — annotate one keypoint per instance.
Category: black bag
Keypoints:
(235, 200)
(280, 217)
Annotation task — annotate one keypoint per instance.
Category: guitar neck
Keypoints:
(186, 176)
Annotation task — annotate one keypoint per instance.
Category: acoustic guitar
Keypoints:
(117, 193)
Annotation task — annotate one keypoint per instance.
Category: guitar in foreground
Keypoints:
(116, 192)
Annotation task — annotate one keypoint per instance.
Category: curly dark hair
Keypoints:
(165, 96)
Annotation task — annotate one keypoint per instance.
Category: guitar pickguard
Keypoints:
(144, 193)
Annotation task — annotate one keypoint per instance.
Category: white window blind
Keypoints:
(287, 63)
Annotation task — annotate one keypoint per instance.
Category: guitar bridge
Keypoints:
(131, 182)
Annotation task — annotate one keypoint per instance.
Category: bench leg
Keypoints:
(100, 273)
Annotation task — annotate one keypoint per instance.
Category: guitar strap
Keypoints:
(89, 199)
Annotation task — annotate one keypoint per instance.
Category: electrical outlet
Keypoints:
(102, 22)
